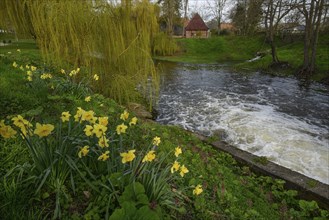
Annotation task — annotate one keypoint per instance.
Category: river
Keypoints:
(275, 117)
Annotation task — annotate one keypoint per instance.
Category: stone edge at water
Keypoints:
(294, 180)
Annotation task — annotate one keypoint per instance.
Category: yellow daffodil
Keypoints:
(43, 130)
(29, 78)
(19, 121)
(73, 73)
(99, 130)
(121, 129)
(7, 131)
(197, 190)
(62, 71)
(156, 141)
(150, 156)
(183, 170)
(25, 131)
(18, 50)
(65, 116)
(178, 151)
(84, 151)
(29, 73)
(89, 130)
(27, 66)
(33, 68)
(79, 114)
(21, 68)
(46, 76)
(133, 121)
(124, 116)
(103, 120)
(127, 157)
(175, 167)
(103, 142)
(87, 115)
(96, 77)
(77, 70)
(93, 120)
(105, 156)
(88, 98)
(25, 128)
(15, 64)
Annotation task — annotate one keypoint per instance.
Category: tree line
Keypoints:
(251, 16)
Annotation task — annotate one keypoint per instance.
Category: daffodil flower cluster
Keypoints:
(177, 166)
(46, 76)
(29, 70)
(99, 137)
(97, 127)
(74, 72)
(25, 127)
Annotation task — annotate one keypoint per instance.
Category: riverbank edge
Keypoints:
(308, 188)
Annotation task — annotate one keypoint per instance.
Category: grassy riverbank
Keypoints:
(50, 175)
(239, 49)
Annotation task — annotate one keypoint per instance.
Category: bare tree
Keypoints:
(275, 11)
(185, 2)
(246, 15)
(216, 8)
(312, 11)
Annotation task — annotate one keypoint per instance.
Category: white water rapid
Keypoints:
(267, 116)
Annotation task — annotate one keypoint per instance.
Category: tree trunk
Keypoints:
(312, 16)
(274, 53)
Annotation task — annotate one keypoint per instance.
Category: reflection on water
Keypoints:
(267, 116)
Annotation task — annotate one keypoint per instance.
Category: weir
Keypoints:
(308, 188)
(267, 116)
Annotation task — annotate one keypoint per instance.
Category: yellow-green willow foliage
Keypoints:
(163, 45)
(113, 41)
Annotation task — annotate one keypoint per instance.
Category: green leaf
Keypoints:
(115, 178)
(134, 192)
(118, 214)
(33, 112)
(128, 211)
(145, 213)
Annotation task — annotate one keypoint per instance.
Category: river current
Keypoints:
(275, 117)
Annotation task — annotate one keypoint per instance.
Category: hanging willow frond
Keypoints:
(113, 41)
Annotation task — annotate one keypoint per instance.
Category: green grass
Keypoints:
(238, 49)
(216, 49)
(230, 191)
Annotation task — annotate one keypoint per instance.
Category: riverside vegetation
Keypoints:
(68, 152)
(236, 50)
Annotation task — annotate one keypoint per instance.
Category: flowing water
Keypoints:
(268, 116)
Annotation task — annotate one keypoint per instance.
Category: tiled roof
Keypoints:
(196, 24)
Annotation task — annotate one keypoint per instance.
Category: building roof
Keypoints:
(196, 24)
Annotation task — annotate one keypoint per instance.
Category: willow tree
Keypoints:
(112, 40)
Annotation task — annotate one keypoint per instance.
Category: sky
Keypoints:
(205, 8)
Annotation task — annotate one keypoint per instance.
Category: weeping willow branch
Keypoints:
(103, 38)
